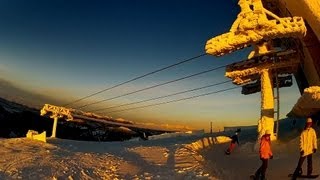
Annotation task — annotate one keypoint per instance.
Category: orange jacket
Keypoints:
(265, 148)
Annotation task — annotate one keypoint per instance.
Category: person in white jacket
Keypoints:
(308, 146)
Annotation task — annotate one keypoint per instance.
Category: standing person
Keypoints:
(234, 140)
(265, 154)
(308, 146)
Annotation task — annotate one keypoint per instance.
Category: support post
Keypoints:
(278, 106)
(267, 105)
(54, 128)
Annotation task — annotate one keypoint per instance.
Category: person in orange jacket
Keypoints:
(265, 154)
(308, 146)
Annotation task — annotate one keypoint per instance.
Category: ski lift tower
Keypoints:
(56, 113)
(258, 27)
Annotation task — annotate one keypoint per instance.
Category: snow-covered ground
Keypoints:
(179, 157)
(63, 159)
(245, 161)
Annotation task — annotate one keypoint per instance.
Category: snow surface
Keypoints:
(178, 157)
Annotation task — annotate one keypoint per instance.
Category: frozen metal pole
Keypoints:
(54, 128)
(278, 106)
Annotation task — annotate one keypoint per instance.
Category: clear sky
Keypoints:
(69, 49)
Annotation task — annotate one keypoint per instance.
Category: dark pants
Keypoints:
(298, 170)
(261, 172)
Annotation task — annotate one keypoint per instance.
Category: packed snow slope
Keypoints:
(67, 159)
(178, 157)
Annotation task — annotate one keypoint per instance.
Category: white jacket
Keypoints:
(308, 141)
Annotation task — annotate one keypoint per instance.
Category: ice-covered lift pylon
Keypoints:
(56, 113)
(258, 27)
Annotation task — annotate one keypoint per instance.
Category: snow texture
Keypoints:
(177, 157)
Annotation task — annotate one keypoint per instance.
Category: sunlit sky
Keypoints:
(70, 49)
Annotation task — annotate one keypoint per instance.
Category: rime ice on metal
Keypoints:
(257, 26)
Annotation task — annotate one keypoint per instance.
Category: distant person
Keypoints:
(144, 136)
(265, 154)
(308, 146)
(234, 140)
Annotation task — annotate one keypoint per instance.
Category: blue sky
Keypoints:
(69, 49)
